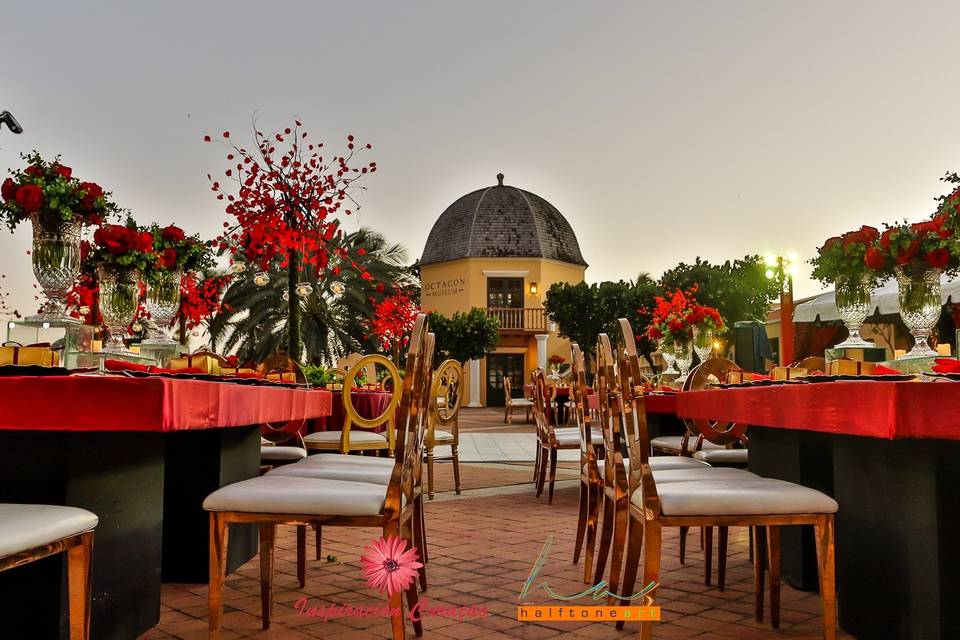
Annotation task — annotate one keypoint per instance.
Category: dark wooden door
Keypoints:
(505, 293)
(500, 365)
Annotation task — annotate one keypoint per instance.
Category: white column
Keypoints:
(542, 350)
(474, 375)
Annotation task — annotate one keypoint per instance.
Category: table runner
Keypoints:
(871, 408)
(114, 403)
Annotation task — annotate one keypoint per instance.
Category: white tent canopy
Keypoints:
(884, 301)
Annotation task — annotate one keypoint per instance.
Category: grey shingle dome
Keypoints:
(501, 222)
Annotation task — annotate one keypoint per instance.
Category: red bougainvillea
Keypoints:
(200, 298)
(393, 320)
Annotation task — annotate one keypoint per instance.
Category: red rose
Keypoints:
(654, 334)
(832, 242)
(167, 259)
(923, 228)
(906, 255)
(874, 259)
(144, 241)
(30, 197)
(885, 239)
(66, 172)
(112, 237)
(91, 191)
(8, 190)
(84, 249)
(173, 233)
(938, 258)
(33, 170)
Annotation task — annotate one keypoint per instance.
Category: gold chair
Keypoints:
(443, 425)
(511, 403)
(762, 503)
(277, 499)
(358, 433)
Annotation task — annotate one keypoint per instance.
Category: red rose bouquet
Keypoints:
(843, 258)
(176, 251)
(50, 193)
(669, 320)
(556, 359)
(921, 245)
(123, 246)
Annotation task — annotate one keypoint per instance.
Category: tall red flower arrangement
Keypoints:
(676, 315)
(392, 322)
(284, 198)
(200, 298)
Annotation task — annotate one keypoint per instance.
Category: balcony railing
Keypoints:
(532, 320)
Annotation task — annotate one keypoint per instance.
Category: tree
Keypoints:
(253, 320)
(393, 321)
(285, 207)
(740, 290)
(464, 336)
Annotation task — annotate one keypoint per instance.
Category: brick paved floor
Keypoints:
(482, 546)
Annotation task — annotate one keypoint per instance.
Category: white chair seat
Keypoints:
(284, 494)
(343, 459)
(571, 435)
(724, 457)
(658, 463)
(282, 453)
(440, 436)
(695, 471)
(357, 436)
(520, 402)
(348, 472)
(738, 497)
(27, 526)
(673, 443)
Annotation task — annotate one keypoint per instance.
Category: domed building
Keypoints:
(500, 248)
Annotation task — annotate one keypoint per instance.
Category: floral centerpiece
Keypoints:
(58, 205)
(122, 253)
(707, 324)
(670, 329)
(176, 253)
(917, 254)
(555, 361)
(841, 262)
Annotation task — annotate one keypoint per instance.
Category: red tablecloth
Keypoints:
(114, 403)
(369, 404)
(653, 404)
(862, 408)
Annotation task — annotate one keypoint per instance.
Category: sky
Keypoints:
(662, 131)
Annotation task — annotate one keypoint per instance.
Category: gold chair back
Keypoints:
(607, 387)
(702, 376)
(445, 396)
(581, 412)
(540, 406)
(352, 419)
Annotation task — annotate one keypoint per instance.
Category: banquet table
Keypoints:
(141, 453)
(889, 453)
(369, 404)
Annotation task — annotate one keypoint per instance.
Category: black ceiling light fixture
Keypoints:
(6, 118)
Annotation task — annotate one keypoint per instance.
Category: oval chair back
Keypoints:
(581, 413)
(353, 420)
(717, 432)
(607, 388)
(540, 405)
(445, 395)
(634, 417)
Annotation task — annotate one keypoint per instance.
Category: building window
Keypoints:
(505, 293)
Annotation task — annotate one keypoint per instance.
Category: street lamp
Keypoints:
(781, 270)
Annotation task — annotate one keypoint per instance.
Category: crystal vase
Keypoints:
(853, 305)
(163, 301)
(703, 342)
(920, 305)
(667, 352)
(683, 352)
(56, 264)
(119, 298)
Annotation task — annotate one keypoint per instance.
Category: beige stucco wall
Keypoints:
(460, 285)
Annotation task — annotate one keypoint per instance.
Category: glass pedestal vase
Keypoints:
(920, 305)
(854, 305)
(703, 338)
(119, 298)
(683, 351)
(163, 301)
(56, 264)
(669, 356)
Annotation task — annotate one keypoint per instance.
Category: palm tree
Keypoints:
(255, 324)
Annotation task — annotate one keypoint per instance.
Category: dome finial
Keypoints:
(499, 179)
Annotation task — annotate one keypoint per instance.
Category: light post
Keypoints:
(781, 270)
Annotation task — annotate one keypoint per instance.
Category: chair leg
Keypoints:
(634, 546)
(527, 419)
(759, 550)
(773, 561)
(430, 473)
(553, 473)
(683, 544)
(423, 531)
(396, 599)
(581, 519)
(78, 580)
(605, 536)
(267, 534)
(536, 464)
(621, 515)
(651, 570)
(218, 571)
(708, 556)
(506, 414)
(418, 535)
(596, 494)
(722, 558)
(542, 479)
(302, 555)
(456, 468)
(750, 544)
(317, 539)
(413, 598)
(826, 560)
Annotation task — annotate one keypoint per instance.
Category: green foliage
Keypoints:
(317, 374)
(464, 336)
(740, 289)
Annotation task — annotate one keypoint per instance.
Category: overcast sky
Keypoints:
(662, 131)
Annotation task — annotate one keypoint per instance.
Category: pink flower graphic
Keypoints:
(388, 565)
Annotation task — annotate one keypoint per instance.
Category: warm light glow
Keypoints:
(11, 325)
(792, 255)
(770, 274)
(45, 325)
(770, 260)
(533, 288)
(793, 269)
(717, 346)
